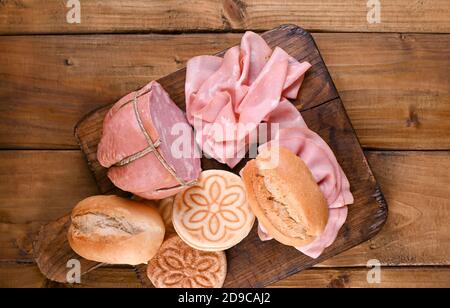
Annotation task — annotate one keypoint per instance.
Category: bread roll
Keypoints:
(164, 208)
(113, 230)
(285, 197)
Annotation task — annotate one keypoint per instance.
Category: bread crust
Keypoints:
(285, 197)
(113, 230)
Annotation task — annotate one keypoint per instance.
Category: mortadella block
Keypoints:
(148, 145)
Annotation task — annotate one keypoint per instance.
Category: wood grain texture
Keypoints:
(40, 16)
(415, 185)
(48, 82)
(357, 278)
(34, 191)
(396, 88)
(21, 276)
(52, 252)
(38, 181)
(16, 240)
(28, 275)
(104, 277)
(324, 114)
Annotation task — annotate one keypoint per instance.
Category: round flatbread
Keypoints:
(177, 265)
(214, 214)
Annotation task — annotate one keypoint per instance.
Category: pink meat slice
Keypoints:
(294, 134)
(228, 98)
(336, 220)
(122, 137)
(320, 159)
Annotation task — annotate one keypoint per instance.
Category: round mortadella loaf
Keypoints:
(148, 145)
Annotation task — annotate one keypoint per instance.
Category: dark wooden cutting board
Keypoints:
(253, 263)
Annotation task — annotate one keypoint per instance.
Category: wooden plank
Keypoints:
(414, 183)
(20, 276)
(40, 110)
(40, 16)
(28, 275)
(394, 87)
(52, 252)
(42, 185)
(16, 239)
(324, 114)
(34, 191)
(105, 277)
(405, 74)
(422, 277)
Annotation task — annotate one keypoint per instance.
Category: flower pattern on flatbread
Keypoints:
(214, 208)
(177, 265)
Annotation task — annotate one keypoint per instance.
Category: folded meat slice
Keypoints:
(148, 145)
(227, 99)
(280, 73)
(336, 219)
(293, 134)
(320, 159)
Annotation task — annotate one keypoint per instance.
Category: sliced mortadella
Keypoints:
(286, 115)
(254, 55)
(322, 162)
(200, 68)
(262, 233)
(226, 99)
(293, 81)
(336, 220)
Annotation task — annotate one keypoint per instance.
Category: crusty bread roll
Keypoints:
(164, 208)
(285, 197)
(113, 230)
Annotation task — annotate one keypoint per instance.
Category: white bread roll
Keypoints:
(284, 196)
(113, 230)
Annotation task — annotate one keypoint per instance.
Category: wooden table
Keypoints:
(393, 78)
